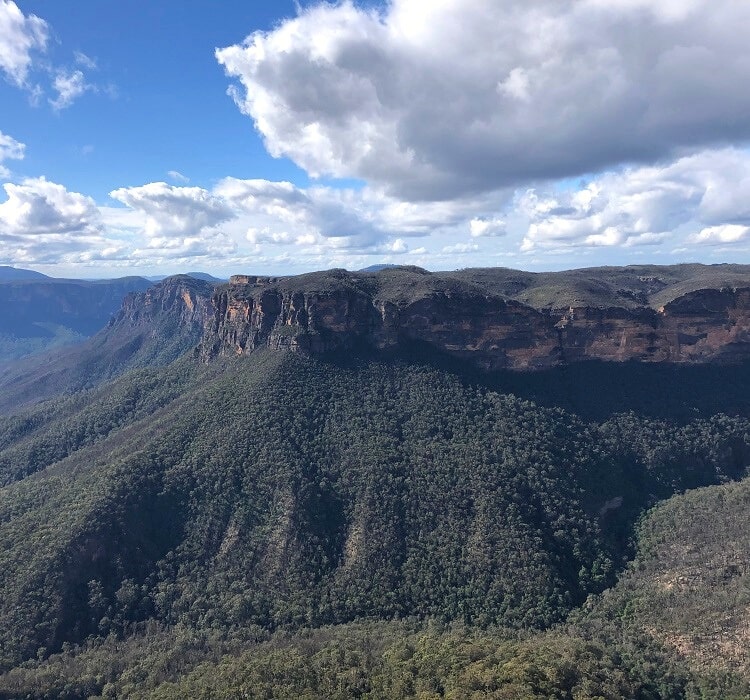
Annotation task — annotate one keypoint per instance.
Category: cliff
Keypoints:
(152, 327)
(611, 315)
(39, 313)
(491, 318)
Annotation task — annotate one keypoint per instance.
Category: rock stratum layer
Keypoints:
(496, 319)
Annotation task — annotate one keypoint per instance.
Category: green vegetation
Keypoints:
(375, 660)
(689, 585)
(192, 531)
(145, 333)
(39, 313)
(374, 526)
(626, 287)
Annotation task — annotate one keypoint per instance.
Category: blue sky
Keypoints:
(161, 101)
(154, 137)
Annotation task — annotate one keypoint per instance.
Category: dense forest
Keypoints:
(375, 524)
(366, 527)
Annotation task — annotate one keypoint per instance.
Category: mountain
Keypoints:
(195, 275)
(151, 328)
(266, 489)
(15, 274)
(495, 319)
(43, 312)
(205, 277)
(377, 268)
(468, 318)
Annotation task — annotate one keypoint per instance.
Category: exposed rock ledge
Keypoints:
(460, 314)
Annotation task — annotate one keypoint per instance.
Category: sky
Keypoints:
(154, 137)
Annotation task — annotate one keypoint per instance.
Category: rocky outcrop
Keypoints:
(151, 328)
(179, 302)
(337, 311)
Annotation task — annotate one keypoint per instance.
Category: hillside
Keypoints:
(38, 312)
(151, 328)
(349, 520)
(688, 586)
(284, 492)
(13, 274)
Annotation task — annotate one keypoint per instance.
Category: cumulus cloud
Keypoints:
(174, 211)
(432, 101)
(709, 191)
(487, 228)
(722, 235)
(42, 222)
(40, 207)
(10, 149)
(366, 220)
(20, 37)
(337, 218)
(398, 246)
(179, 221)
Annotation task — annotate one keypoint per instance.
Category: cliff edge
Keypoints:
(494, 318)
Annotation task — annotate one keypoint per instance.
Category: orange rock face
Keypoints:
(489, 331)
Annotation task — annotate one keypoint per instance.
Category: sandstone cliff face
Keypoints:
(490, 331)
(179, 301)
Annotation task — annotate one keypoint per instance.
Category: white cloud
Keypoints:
(365, 220)
(38, 206)
(69, 86)
(42, 222)
(175, 211)
(10, 149)
(179, 222)
(332, 217)
(709, 191)
(718, 235)
(398, 246)
(83, 60)
(698, 199)
(20, 36)
(487, 228)
(434, 101)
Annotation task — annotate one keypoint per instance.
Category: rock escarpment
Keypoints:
(462, 314)
(178, 304)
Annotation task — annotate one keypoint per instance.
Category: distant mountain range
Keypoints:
(38, 312)
(15, 274)
(195, 275)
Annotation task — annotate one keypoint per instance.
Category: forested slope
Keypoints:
(150, 330)
(351, 520)
(38, 312)
(275, 492)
